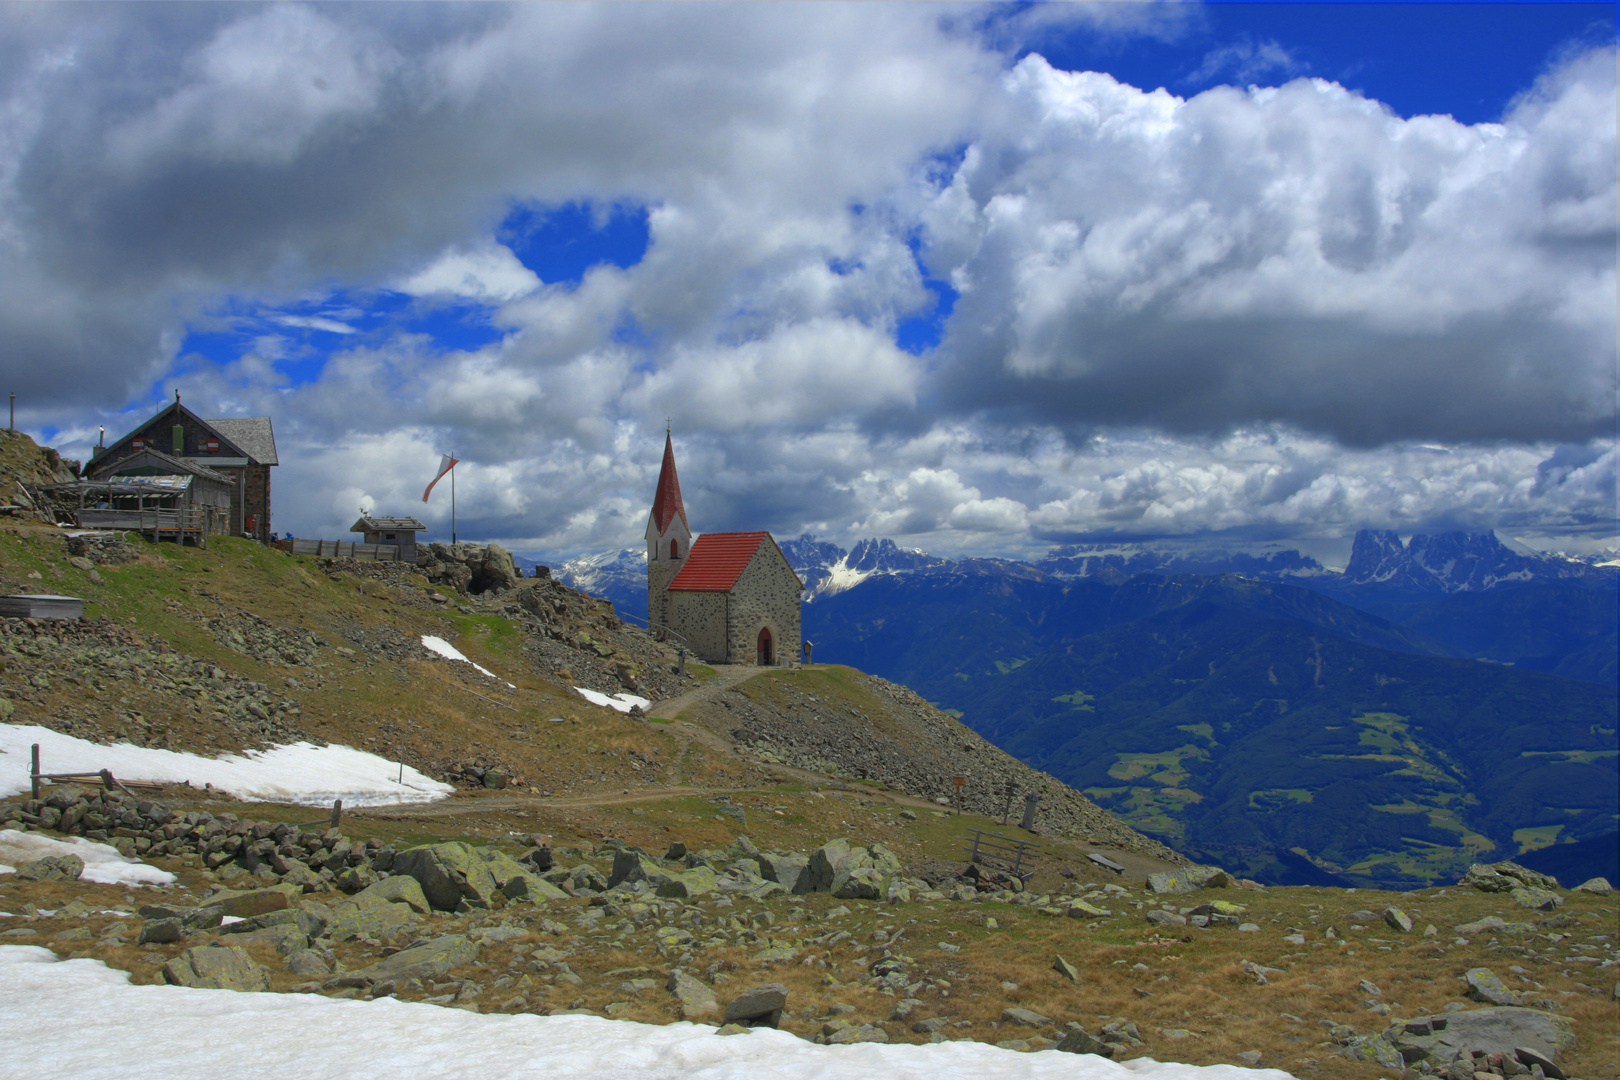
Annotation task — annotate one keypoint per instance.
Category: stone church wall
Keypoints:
(766, 595)
(700, 618)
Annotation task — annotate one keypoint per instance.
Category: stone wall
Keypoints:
(700, 618)
(765, 596)
(256, 501)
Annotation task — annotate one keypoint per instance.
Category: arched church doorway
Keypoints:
(767, 650)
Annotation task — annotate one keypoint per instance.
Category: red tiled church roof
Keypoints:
(717, 560)
(667, 502)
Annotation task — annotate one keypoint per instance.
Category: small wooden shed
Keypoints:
(41, 606)
(400, 531)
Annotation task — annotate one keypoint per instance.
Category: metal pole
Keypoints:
(452, 500)
(13, 410)
(33, 773)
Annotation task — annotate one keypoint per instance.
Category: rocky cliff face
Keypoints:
(1450, 562)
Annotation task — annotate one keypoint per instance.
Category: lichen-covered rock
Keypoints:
(860, 883)
(1440, 1038)
(1189, 879)
(758, 1006)
(397, 889)
(698, 881)
(826, 863)
(1483, 985)
(1598, 886)
(1536, 898)
(695, 1000)
(368, 915)
(452, 875)
(217, 967)
(52, 868)
(425, 961)
(1505, 877)
(789, 870)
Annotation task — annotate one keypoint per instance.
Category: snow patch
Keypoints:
(450, 652)
(841, 577)
(302, 773)
(102, 862)
(309, 1037)
(622, 702)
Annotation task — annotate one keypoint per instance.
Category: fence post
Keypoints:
(337, 812)
(33, 773)
(1006, 810)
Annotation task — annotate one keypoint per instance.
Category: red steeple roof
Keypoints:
(717, 560)
(667, 503)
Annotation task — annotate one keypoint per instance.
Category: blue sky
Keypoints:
(890, 269)
(1465, 60)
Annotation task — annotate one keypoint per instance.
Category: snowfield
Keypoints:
(622, 702)
(302, 773)
(102, 862)
(123, 1032)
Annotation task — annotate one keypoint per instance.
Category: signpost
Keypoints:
(960, 782)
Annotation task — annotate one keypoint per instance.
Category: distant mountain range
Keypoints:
(1257, 709)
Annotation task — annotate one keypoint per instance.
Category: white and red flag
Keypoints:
(446, 463)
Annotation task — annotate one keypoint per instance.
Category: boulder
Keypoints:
(1068, 971)
(452, 875)
(1185, 880)
(217, 967)
(695, 1001)
(397, 889)
(825, 864)
(862, 1033)
(1505, 877)
(1598, 885)
(631, 865)
(1398, 920)
(1483, 985)
(791, 870)
(1166, 918)
(1079, 1041)
(1025, 1018)
(1440, 1038)
(698, 881)
(52, 868)
(518, 881)
(758, 1006)
(859, 883)
(368, 916)
(1536, 898)
(426, 961)
(1481, 926)
(246, 904)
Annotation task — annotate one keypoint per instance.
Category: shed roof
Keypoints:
(717, 560)
(253, 434)
(387, 524)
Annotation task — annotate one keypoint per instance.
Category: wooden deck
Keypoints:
(177, 525)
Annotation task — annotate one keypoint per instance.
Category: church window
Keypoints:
(674, 549)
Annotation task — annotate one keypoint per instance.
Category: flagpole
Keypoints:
(452, 499)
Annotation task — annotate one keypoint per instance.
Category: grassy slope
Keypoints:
(1192, 980)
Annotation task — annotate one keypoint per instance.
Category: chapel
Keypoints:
(729, 598)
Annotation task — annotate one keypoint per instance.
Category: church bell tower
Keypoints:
(669, 540)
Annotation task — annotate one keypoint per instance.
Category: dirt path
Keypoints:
(725, 677)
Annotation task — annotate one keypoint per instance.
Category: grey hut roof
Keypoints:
(252, 434)
(387, 524)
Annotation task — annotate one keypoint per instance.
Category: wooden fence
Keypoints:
(340, 549)
(1007, 852)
